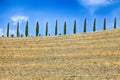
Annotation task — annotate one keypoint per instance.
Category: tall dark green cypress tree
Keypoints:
(104, 24)
(18, 29)
(56, 25)
(26, 29)
(8, 29)
(65, 28)
(74, 31)
(115, 23)
(37, 28)
(47, 29)
(94, 25)
(85, 21)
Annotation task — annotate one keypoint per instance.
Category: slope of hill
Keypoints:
(89, 56)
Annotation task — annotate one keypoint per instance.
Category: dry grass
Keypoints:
(90, 56)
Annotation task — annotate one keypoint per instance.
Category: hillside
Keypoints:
(89, 56)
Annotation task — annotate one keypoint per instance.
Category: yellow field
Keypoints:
(90, 56)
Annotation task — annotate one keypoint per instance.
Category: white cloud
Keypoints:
(15, 19)
(92, 5)
(96, 2)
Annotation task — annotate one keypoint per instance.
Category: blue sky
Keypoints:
(63, 10)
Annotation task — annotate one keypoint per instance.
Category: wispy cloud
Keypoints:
(15, 19)
(92, 5)
(96, 2)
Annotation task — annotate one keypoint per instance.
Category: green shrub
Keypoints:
(21, 35)
(12, 35)
(2, 35)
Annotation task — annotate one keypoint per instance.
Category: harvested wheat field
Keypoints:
(89, 56)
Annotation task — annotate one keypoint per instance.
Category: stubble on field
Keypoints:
(89, 56)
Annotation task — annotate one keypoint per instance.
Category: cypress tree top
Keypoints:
(37, 28)
(74, 30)
(26, 29)
(85, 21)
(65, 28)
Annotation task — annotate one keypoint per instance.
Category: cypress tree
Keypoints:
(46, 28)
(26, 29)
(85, 21)
(74, 31)
(56, 27)
(104, 24)
(37, 28)
(18, 30)
(115, 23)
(94, 25)
(65, 28)
(8, 29)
